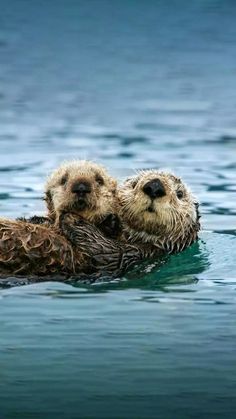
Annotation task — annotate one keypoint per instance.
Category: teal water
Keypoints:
(131, 84)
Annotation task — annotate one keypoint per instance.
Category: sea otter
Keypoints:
(79, 188)
(159, 216)
(85, 189)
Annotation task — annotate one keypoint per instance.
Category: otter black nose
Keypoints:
(154, 188)
(81, 188)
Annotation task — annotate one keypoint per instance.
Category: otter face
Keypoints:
(82, 188)
(158, 207)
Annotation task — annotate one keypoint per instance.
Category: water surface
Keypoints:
(131, 84)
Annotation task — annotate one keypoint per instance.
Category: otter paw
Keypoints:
(35, 219)
(111, 226)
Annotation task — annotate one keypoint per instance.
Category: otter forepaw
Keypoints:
(111, 226)
(36, 219)
(105, 254)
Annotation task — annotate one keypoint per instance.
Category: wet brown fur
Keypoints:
(28, 249)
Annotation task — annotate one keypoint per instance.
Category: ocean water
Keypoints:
(131, 84)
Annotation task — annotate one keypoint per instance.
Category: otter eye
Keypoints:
(99, 180)
(64, 179)
(180, 194)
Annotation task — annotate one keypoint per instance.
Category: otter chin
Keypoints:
(158, 208)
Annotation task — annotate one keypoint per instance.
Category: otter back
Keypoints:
(29, 249)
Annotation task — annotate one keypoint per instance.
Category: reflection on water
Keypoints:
(132, 85)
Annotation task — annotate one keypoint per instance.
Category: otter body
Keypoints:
(159, 216)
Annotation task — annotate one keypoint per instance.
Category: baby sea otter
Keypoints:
(85, 189)
(159, 215)
(79, 188)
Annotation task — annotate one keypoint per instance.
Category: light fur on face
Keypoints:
(95, 206)
(169, 222)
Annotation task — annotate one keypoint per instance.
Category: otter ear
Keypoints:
(130, 179)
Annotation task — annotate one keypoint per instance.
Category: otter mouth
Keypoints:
(151, 208)
(80, 204)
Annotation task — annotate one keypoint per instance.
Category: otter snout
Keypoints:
(81, 188)
(154, 189)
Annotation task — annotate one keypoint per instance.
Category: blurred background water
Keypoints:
(132, 84)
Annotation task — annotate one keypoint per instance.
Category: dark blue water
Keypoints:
(132, 84)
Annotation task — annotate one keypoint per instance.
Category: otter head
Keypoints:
(81, 188)
(158, 208)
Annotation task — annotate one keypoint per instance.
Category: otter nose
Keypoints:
(154, 188)
(81, 188)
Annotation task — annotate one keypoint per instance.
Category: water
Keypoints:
(131, 84)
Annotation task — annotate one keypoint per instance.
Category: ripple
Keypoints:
(125, 155)
(124, 139)
(4, 196)
(154, 126)
(19, 168)
(227, 139)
